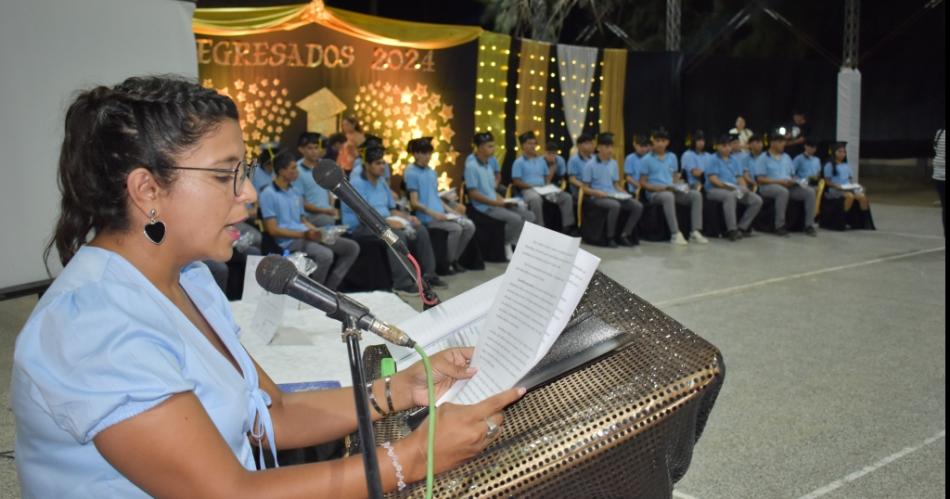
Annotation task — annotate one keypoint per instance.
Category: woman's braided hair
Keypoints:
(142, 122)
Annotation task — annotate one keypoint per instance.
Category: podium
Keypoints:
(629, 396)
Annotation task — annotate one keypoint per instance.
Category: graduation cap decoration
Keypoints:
(322, 108)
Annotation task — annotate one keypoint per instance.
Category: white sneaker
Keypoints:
(698, 237)
(679, 240)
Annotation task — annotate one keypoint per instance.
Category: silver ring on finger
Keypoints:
(492, 428)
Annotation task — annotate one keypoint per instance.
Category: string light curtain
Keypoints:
(491, 88)
(612, 86)
(576, 67)
(532, 87)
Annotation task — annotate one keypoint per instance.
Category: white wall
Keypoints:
(50, 49)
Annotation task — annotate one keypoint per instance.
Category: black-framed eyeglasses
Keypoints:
(241, 172)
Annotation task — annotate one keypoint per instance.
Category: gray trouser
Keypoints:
(254, 248)
(535, 203)
(514, 219)
(219, 270)
(333, 260)
(669, 200)
(419, 246)
(320, 220)
(782, 195)
(632, 207)
(729, 201)
(460, 233)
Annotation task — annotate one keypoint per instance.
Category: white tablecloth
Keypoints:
(308, 345)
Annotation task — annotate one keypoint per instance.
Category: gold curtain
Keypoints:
(491, 87)
(532, 88)
(253, 20)
(613, 81)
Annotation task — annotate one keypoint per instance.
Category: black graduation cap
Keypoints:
(371, 141)
(755, 138)
(605, 139)
(661, 133)
(641, 139)
(724, 139)
(699, 135)
(421, 145)
(483, 138)
(526, 137)
(373, 153)
(307, 138)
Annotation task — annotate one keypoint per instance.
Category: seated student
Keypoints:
(374, 188)
(632, 164)
(316, 200)
(554, 160)
(482, 140)
(695, 160)
(423, 185)
(601, 178)
(530, 171)
(480, 186)
(740, 155)
(284, 219)
(659, 176)
(838, 173)
(724, 183)
(774, 171)
(749, 160)
(585, 152)
(806, 165)
(264, 173)
(368, 142)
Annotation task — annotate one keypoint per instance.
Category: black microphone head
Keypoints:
(274, 273)
(328, 174)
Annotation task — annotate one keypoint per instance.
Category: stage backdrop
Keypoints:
(291, 69)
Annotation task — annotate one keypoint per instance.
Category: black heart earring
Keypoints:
(154, 229)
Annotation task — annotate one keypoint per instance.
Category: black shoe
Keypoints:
(447, 271)
(573, 231)
(746, 232)
(435, 282)
(612, 244)
(458, 268)
(811, 231)
(625, 241)
(781, 232)
(733, 235)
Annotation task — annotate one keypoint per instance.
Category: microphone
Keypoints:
(279, 276)
(328, 175)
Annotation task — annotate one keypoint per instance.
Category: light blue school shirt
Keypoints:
(560, 168)
(659, 171)
(601, 175)
(309, 188)
(632, 166)
(286, 207)
(357, 169)
(842, 176)
(492, 162)
(775, 169)
(691, 160)
(481, 177)
(727, 170)
(532, 171)
(576, 163)
(104, 345)
(378, 196)
(806, 166)
(423, 181)
(262, 178)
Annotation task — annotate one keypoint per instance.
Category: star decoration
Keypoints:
(421, 90)
(447, 112)
(447, 133)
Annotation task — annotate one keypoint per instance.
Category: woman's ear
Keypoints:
(144, 192)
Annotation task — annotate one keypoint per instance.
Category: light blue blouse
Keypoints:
(104, 345)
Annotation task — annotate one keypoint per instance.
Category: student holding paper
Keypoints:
(839, 177)
(480, 185)
(529, 172)
(585, 152)
(695, 160)
(807, 165)
(433, 212)
(660, 177)
(774, 171)
(129, 379)
(601, 178)
(724, 183)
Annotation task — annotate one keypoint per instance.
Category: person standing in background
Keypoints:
(940, 173)
(742, 133)
(350, 127)
(799, 132)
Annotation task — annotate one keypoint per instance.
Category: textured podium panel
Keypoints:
(621, 426)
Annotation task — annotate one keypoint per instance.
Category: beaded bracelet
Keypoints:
(400, 478)
(372, 399)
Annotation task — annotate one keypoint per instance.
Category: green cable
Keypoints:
(430, 461)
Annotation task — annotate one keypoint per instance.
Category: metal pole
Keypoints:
(673, 25)
(852, 28)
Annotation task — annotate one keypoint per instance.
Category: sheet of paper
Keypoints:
(267, 316)
(544, 190)
(621, 195)
(517, 325)
(583, 270)
(252, 290)
(851, 187)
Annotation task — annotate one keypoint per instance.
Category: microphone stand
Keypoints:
(352, 336)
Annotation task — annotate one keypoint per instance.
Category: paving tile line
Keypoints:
(867, 470)
(776, 280)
